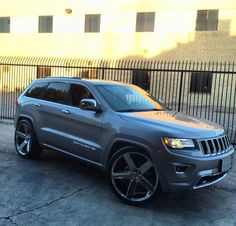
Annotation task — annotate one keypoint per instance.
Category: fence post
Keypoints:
(180, 89)
(103, 73)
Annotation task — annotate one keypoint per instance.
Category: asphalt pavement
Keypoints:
(59, 190)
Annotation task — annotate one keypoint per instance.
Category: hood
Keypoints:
(177, 123)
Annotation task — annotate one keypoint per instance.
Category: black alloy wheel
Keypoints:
(25, 140)
(133, 176)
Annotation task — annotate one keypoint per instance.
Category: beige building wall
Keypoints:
(174, 36)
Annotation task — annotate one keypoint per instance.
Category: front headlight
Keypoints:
(177, 143)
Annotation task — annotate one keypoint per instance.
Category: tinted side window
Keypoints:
(56, 92)
(36, 90)
(77, 93)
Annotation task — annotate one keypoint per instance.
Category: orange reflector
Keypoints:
(166, 141)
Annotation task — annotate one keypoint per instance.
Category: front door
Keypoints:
(83, 128)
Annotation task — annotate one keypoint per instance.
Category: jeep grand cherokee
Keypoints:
(144, 147)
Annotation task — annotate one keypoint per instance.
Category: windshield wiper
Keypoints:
(153, 109)
(139, 110)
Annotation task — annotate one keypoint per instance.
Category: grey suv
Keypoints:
(144, 147)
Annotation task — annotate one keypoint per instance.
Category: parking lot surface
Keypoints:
(58, 190)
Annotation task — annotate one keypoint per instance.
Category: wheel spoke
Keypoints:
(147, 184)
(121, 175)
(21, 135)
(129, 161)
(25, 129)
(131, 189)
(145, 167)
(28, 146)
(22, 145)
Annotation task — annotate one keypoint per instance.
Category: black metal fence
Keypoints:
(205, 90)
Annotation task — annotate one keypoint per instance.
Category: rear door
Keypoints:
(83, 128)
(50, 114)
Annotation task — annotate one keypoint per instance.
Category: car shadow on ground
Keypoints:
(71, 165)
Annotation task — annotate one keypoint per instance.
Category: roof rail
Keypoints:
(61, 77)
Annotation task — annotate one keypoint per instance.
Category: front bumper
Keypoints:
(179, 173)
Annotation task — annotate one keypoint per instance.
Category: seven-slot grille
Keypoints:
(215, 145)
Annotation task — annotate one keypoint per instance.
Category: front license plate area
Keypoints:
(226, 163)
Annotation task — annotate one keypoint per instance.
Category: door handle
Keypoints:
(65, 111)
(37, 105)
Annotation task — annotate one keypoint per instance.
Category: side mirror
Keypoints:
(90, 105)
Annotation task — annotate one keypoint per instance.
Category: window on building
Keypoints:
(145, 22)
(92, 23)
(43, 72)
(93, 74)
(45, 24)
(84, 74)
(4, 24)
(201, 82)
(141, 78)
(207, 20)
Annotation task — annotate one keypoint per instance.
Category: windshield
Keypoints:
(124, 98)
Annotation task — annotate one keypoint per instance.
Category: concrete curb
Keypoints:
(6, 121)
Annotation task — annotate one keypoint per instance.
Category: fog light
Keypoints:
(181, 169)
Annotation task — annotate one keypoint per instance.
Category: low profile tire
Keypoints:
(26, 142)
(133, 176)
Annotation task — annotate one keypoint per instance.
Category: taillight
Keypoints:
(17, 102)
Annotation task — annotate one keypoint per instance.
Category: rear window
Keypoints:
(36, 90)
(56, 92)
